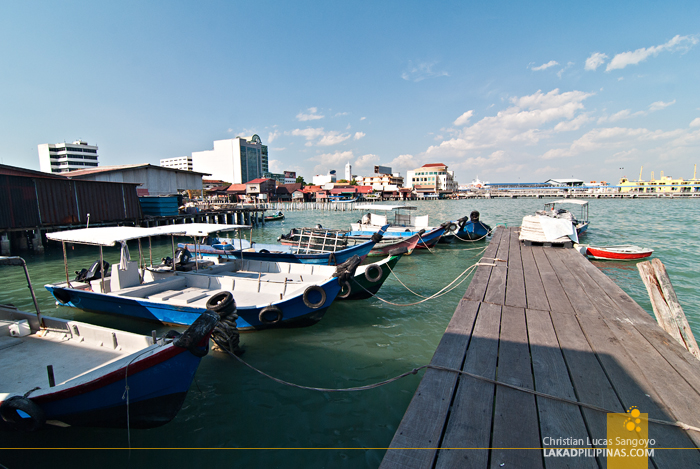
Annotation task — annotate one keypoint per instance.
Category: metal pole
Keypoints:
(102, 270)
(172, 238)
(36, 305)
(150, 252)
(65, 263)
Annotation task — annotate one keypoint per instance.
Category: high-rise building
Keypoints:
(348, 172)
(238, 160)
(181, 162)
(432, 178)
(64, 157)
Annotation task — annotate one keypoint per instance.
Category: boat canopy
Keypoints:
(386, 208)
(106, 235)
(569, 201)
(199, 229)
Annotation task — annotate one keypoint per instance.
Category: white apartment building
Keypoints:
(381, 181)
(238, 160)
(323, 179)
(64, 157)
(183, 163)
(348, 172)
(432, 178)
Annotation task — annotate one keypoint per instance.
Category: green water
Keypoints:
(265, 424)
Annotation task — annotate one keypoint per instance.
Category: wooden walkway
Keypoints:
(545, 319)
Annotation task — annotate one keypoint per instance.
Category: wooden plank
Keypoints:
(556, 296)
(480, 280)
(515, 413)
(469, 423)
(515, 281)
(422, 425)
(552, 377)
(635, 370)
(534, 290)
(496, 290)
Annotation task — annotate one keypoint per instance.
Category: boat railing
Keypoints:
(320, 240)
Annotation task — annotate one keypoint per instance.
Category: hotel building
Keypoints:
(432, 178)
(238, 160)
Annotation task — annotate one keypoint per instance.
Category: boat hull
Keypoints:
(361, 287)
(295, 313)
(473, 231)
(617, 254)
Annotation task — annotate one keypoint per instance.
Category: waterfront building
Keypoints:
(276, 176)
(348, 172)
(322, 179)
(432, 180)
(665, 184)
(64, 157)
(290, 177)
(238, 160)
(381, 182)
(183, 163)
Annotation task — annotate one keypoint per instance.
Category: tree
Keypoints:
(300, 179)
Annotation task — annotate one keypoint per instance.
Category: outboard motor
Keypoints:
(182, 256)
(366, 219)
(93, 273)
(474, 216)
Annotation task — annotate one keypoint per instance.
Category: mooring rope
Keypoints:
(414, 371)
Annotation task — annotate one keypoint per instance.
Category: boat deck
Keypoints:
(545, 319)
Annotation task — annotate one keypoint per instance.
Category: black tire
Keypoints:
(264, 251)
(195, 334)
(373, 278)
(9, 413)
(222, 303)
(268, 311)
(308, 302)
(62, 296)
(452, 227)
(345, 290)
(331, 259)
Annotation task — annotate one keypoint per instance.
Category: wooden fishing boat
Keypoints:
(624, 252)
(472, 229)
(368, 279)
(404, 224)
(275, 217)
(267, 294)
(63, 372)
(333, 240)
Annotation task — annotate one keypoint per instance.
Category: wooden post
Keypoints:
(667, 308)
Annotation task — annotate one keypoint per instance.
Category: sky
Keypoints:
(506, 91)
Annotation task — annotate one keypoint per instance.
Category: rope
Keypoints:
(678, 424)
(425, 244)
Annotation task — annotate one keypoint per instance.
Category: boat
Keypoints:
(275, 217)
(64, 372)
(267, 294)
(404, 224)
(580, 222)
(624, 252)
(472, 229)
(333, 240)
(368, 279)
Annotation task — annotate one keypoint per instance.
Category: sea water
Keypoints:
(234, 417)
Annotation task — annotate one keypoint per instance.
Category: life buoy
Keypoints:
(10, 413)
(62, 296)
(345, 290)
(222, 303)
(373, 278)
(308, 302)
(268, 311)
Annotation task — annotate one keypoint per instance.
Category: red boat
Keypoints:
(619, 253)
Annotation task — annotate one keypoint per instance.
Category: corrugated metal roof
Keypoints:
(107, 169)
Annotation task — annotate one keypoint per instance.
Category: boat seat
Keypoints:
(152, 288)
(126, 278)
(189, 295)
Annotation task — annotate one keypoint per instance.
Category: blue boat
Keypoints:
(472, 229)
(80, 374)
(427, 239)
(267, 294)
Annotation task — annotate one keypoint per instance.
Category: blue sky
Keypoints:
(508, 91)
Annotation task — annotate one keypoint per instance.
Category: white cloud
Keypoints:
(421, 71)
(308, 133)
(573, 124)
(568, 66)
(332, 138)
(275, 166)
(330, 161)
(658, 105)
(624, 59)
(359, 135)
(622, 156)
(595, 60)
(273, 135)
(695, 122)
(312, 115)
(338, 114)
(463, 119)
(551, 63)
(362, 118)
(367, 160)
(403, 163)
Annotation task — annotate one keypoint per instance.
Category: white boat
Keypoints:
(63, 372)
(267, 294)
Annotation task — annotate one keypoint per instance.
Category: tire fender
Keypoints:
(308, 302)
(373, 278)
(10, 414)
(268, 311)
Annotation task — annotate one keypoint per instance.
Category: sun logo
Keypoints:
(632, 423)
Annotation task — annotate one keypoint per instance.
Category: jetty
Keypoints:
(545, 319)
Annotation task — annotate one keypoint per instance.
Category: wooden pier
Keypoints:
(546, 319)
